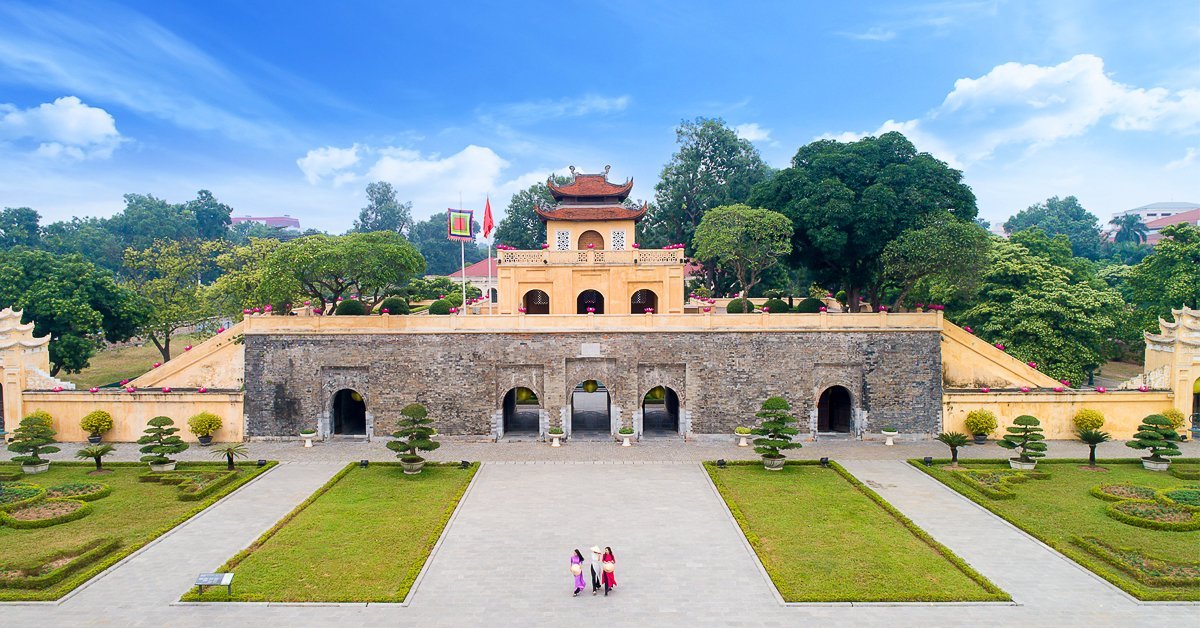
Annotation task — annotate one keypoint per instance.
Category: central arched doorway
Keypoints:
(536, 302)
(591, 409)
(834, 410)
(643, 300)
(591, 237)
(522, 412)
(660, 412)
(349, 413)
(589, 299)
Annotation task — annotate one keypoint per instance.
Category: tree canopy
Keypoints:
(323, 268)
(19, 227)
(383, 211)
(950, 249)
(1169, 277)
(1062, 216)
(746, 240)
(167, 275)
(1129, 228)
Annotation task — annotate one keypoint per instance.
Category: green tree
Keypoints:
(1092, 438)
(211, 216)
(955, 441)
(33, 437)
(243, 232)
(1129, 228)
(72, 301)
(243, 282)
(1157, 434)
(712, 167)
(1025, 437)
(383, 211)
(167, 275)
(847, 201)
(1062, 216)
(96, 453)
(323, 268)
(1169, 277)
(19, 227)
(442, 255)
(147, 219)
(775, 431)
(160, 441)
(521, 227)
(745, 240)
(415, 434)
(950, 249)
(90, 237)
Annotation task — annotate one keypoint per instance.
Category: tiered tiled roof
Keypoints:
(590, 197)
(591, 212)
(591, 187)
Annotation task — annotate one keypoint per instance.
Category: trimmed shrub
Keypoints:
(1175, 416)
(394, 306)
(204, 424)
(1026, 438)
(809, 306)
(1088, 419)
(351, 307)
(441, 307)
(160, 441)
(33, 437)
(740, 306)
(1156, 434)
(415, 434)
(776, 306)
(96, 422)
(980, 422)
(455, 298)
(774, 293)
(774, 432)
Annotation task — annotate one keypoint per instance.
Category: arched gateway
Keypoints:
(349, 413)
(591, 408)
(834, 410)
(660, 412)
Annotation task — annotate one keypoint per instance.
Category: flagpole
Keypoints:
(489, 266)
(462, 252)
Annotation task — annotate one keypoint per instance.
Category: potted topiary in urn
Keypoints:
(624, 434)
(742, 433)
(774, 433)
(160, 441)
(556, 435)
(1026, 438)
(980, 423)
(1158, 435)
(415, 434)
(890, 432)
(33, 437)
(204, 425)
(96, 423)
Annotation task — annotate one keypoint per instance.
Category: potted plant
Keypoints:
(415, 434)
(742, 433)
(33, 437)
(954, 440)
(160, 441)
(625, 433)
(229, 451)
(96, 423)
(890, 432)
(1156, 434)
(308, 434)
(204, 425)
(95, 452)
(774, 433)
(1092, 437)
(1025, 437)
(556, 434)
(980, 423)
(1088, 419)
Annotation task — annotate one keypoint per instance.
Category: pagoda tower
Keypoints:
(592, 263)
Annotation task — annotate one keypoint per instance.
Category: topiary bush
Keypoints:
(441, 307)
(980, 422)
(204, 424)
(33, 437)
(1175, 416)
(740, 306)
(774, 432)
(351, 307)
(1157, 435)
(415, 434)
(1088, 419)
(455, 299)
(776, 306)
(1026, 438)
(96, 422)
(160, 441)
(809, 306)
(394, 306)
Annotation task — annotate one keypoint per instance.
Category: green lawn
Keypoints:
(363, 537)
(1059, 510)
(113, 365)
(825, 537)
(134, 514)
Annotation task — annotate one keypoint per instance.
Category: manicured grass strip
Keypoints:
(823, 536)
(1062, 510)
(132, 515)
(362, 537)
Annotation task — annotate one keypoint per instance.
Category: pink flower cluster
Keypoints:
(1032, 365)
(649, 310)
(545, 245)
(505, 247)
(521, 309)
(454, 310)
(934, 308)
(672, 247)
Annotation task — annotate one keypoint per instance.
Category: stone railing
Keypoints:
(644, 257)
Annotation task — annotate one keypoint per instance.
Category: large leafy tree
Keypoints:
(384, 212)
(90, 237)
(1169, 277)
(1062, 216)
(1042, 315)
(711, 168)
(167, 274)
(521, 227)
(72, 300)
(950, 249)
(147, 219)
(211, 216)
(847, 201)
(19, 227)
(443, 255)
(324, 268)
(243, 282)
(1129, 228)
(745, 240)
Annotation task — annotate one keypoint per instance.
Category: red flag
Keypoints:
(488, 225)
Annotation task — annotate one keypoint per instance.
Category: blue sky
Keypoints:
(289, 107)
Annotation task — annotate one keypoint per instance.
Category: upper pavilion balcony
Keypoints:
(590, 257)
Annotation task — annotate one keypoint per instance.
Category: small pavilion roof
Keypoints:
(591, 212)
(593, 186)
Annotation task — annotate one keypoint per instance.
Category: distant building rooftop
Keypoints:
(478, 269)
(1191, 217)
(279, 222)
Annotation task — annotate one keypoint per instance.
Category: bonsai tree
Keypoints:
(96, 423)
(33, 437)
(229, 451)
(954, 440)
(160, 441)
(95, 452)
(980, 423)
(1155, 433)
(415, 434)
(1025, 437)
(774, 433)
(204, 425)
(1092, 437)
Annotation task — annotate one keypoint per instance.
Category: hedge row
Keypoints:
(1115, 512)
(22, 524)
(1112, 556)
(85, 556)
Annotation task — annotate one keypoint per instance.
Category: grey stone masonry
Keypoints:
(893, 377)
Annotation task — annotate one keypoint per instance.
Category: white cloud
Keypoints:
(538, 110)
(327, 161)
(1190, 157)
(64, 128)
(752, 131)
(875, 33)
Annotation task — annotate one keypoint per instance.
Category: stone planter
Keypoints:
(980, 439)
(890, 435)
(412, 468)
(1020, 465)
(31, 469)
(556, 439)
(625, 439)
(773, 464)
(166, 466)
(95, 439)
(743, 439)
(1155, 465)
(308, 438)
(205, 441)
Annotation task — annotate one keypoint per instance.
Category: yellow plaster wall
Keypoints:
(219, 362)
(1123, 410)
(617, 283)
(603, 227)
(970, 362)
(131, 411)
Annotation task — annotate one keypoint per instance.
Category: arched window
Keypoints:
(591, 237)
(589, 299)
(536, 302)
(642, 301)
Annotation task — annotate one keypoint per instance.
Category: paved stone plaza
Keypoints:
(682, 559)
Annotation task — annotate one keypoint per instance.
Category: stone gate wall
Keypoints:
(894, 377)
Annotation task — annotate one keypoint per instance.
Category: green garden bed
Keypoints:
(825, 537)
(362, 537)
(1071, 512)
(45, 563)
